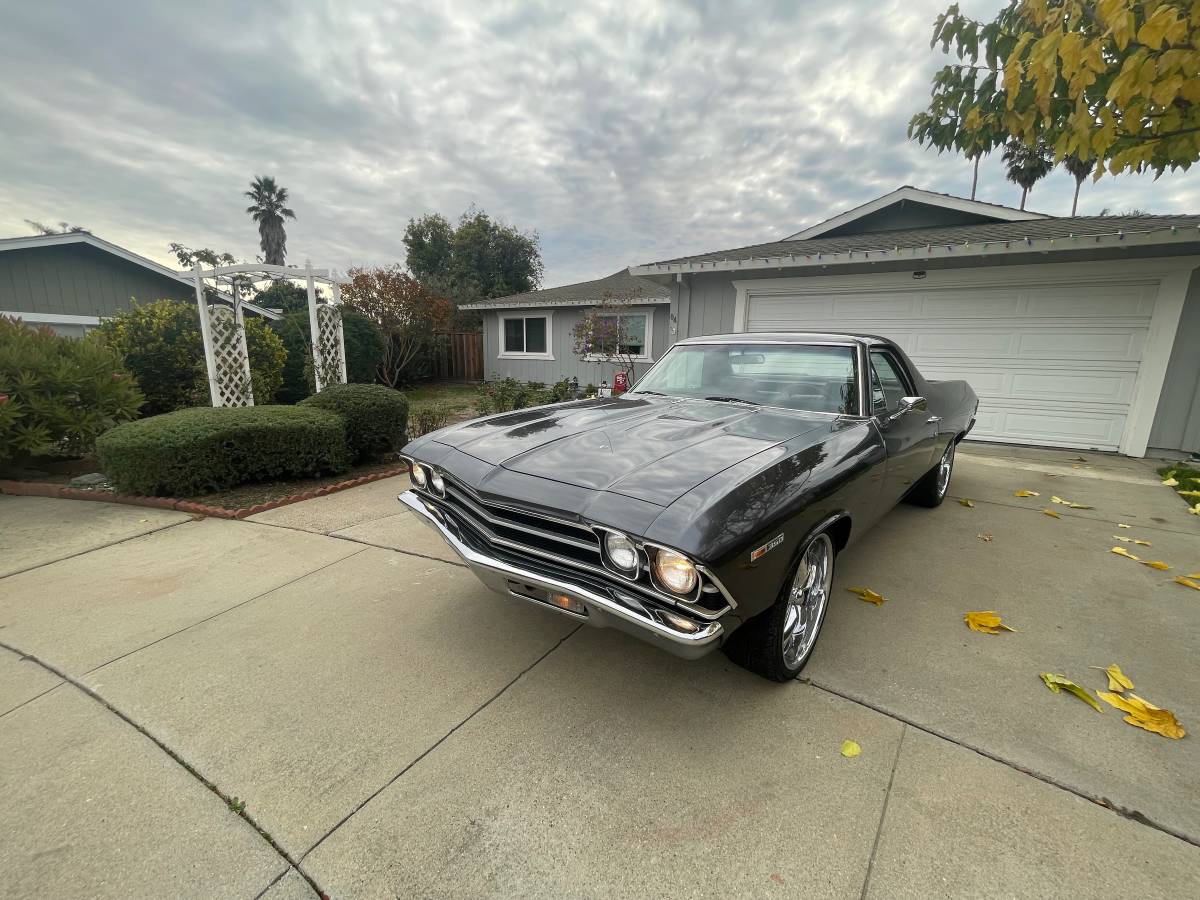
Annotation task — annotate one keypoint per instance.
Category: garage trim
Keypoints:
(1171, 275)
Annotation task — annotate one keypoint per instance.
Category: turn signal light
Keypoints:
(564, 601)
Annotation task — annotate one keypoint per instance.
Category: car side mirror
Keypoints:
(909, 404)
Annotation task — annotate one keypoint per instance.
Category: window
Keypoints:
(624, 334)
(888, 382)
(525, 336)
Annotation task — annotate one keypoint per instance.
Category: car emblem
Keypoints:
(767, 547)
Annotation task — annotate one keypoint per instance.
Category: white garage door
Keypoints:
(1052, 364)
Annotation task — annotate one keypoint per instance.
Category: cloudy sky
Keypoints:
(621, 132)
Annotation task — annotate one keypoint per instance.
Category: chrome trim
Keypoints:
(626, 613)
(517, 509)
(477, 508)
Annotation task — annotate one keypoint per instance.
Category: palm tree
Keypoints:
(1079, 169)
(268, 211)
(1027, 165)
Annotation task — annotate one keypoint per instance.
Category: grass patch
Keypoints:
(458, 398)
(1188, 478)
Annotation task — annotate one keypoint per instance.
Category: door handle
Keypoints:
(933, 419)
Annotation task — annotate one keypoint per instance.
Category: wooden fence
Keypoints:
(461, 357)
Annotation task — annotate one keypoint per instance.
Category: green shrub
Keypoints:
(509, 394)
(161, 344)
(58, 391)
(364, 349)
(426, 418)
(376, 417)
(197, 451)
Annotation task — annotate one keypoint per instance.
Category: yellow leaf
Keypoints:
(968, 503)
(869, 595)
(1079, 506)
(1141, 543)
(1192, 575)
(1117, 680)
(1188, 494)
(1194, 510)
(1171, 482)
(1188, 582)
(985, 621)
(1058, 683)
(1144, 714)
(1121, 551)
(1052, 513)
(1123, 525)
(1123, 540)
(850, 749)
(1026, 494)
(1155, 564)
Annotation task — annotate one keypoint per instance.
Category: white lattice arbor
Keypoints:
(224, 328)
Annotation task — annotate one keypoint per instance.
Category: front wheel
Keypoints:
(931, 489)
(778, 643)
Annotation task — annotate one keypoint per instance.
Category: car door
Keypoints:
(909, 436)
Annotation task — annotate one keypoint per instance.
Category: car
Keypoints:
(706, 506)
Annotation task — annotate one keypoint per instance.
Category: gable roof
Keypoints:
(909, 194)
(86, 237)
(584, 293)
(1044, 235)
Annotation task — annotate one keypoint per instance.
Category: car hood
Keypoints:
(646, 448)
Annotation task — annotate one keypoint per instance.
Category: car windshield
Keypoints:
(810, 377)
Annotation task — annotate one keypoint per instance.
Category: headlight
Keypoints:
(621, 552)
(439, 486)
(675, 571)
(419, 476)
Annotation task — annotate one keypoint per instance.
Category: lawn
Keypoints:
(457, 398)
(1188, 478)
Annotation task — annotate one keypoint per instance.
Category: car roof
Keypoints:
(786, 337)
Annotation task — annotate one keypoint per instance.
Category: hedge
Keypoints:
(364, 348)
(376, 417)
(197, 451)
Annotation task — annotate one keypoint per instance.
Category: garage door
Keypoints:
(1052, 364)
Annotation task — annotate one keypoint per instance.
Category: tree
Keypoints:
(63, 228)
(1115, 81)
(188, 257)
(1079, 169)
(605, 334)
(364, 346)
(285, 295)
(407, 312)
(269, 211)
(1026, 165)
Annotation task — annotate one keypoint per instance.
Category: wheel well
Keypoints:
(839, 532)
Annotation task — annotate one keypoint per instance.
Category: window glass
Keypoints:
(535, 335)
(809, 377)
(633, 334)
(514, 335)
(623, 333)
(888, 383)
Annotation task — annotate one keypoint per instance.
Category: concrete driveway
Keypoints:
(320, 699)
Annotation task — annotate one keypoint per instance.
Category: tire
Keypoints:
(773, 644)
(931, 490)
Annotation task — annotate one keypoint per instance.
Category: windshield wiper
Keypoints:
(734, 400)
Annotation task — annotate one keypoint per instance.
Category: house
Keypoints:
(70, 281)
(529, 336)
(1079, 332)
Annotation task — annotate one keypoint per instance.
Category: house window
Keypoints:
(527, 336)
(623, 334)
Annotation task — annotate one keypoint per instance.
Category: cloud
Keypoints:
(621, 131)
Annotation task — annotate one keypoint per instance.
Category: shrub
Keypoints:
(426, 418)
(58, 391)
(161, 344)
(364, 350)
(375, 416)
(197, 451)
(509, 394)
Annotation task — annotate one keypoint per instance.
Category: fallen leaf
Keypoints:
(986, 621)
(1141, 543)
(1058, 683)
(1194, 510)
(1079, 506)
(1155, 564)
(1188, 493)
(1052, 513)
(869, 595)
(1171, 482)
(1192, 575)
(1187, 582)
(985, 537)
(1026, 494)
(1117, 680)
(1121, 551)
(967, 502)
(1144, 714)
(1123, 540)
(850, 749)
(1123, 525)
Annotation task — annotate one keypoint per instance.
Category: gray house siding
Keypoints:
(1177, 420)
(78, 280)
(565, 363)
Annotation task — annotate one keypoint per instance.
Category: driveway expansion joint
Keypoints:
(343, 537)
(174, 755)
(887, 795)
(132, 537)
(1124, 812)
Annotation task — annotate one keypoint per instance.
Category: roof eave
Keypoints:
(541, 304)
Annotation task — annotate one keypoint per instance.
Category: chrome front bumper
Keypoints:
(622, 610)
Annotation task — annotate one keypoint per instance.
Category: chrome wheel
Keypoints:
(944, 468)
(806, 600)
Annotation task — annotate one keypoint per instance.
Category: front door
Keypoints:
(909, 437)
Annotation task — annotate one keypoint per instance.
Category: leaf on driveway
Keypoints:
(1117, 680)
(1121, 551)
(1141, 543)
(1155, 564)
(869, 595)
(965, 501)
(986, 621)
(1026, 494)
(1188, 582)
(1058, 683)
(1052, 513)
(850, 749)
(1125, 540)
(1171, 481)
(1192, 575)
(986, 537)
(1123, 525)
(1144, 714)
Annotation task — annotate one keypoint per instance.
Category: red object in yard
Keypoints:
(620, 383)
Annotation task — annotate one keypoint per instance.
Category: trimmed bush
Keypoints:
(508, 394)
(364, 349)
(198, 451)
(58, 392)
(427, 417)
(375, 416)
